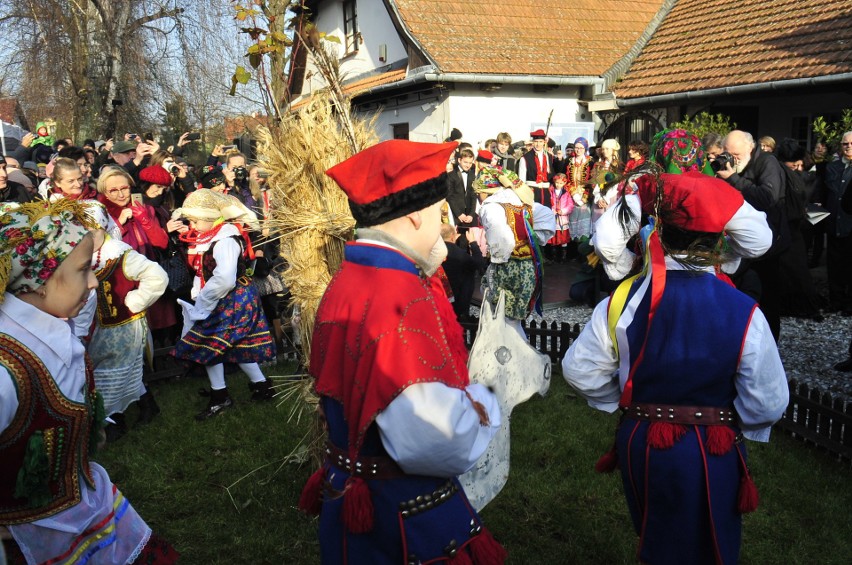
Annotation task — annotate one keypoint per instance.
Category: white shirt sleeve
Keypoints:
(432, 429)
(544, 222)
(761, 382)
(748, 233)
(8, 399)
(152, 281)
(226, 252)
(590, 365)
(610, 239)
(522, 169)
(498, 234)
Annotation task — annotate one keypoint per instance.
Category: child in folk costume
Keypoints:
(579, 171)
(562, 205)
(58, 505)
(693, 366)
(226, 324)
(129, 284)
(515, 226)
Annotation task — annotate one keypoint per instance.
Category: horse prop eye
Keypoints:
(503, 355)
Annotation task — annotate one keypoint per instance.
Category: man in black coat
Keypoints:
(11, 191)
(761, 180)
(464, 261)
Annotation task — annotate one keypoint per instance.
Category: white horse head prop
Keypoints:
(502, 360)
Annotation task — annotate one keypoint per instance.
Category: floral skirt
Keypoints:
(518, 279)
(235, 332)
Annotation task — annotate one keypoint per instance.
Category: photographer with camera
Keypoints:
(761, 180)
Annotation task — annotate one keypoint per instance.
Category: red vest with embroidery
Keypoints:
(44, 416)
(111, 294)
(515, 219)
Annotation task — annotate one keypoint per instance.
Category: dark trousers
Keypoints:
(839, 263)
(768, 269)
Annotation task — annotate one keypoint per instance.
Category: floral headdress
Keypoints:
(677, 151)
(35, 238)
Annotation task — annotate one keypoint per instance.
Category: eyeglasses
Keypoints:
(846, 144)
(117, 191)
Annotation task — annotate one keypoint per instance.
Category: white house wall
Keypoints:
(426, 122)
(514, 109)
(376, 29)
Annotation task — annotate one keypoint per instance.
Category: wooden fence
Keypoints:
(820, 419)
(552, 340)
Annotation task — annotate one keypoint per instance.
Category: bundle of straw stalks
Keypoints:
(310, 213)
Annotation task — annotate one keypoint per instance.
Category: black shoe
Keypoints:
(220, 400)
(147, 409)
(115, 431)
(844, 366)
(261, 391)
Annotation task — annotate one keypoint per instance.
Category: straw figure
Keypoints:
(309, 211)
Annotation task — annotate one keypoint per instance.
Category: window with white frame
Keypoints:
(350, 26)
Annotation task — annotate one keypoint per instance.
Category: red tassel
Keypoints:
(747, 499)
(486, 550)
(461, 558)
(720, 439)
(608, 462)
(357, 506)
(311, 499)
(663, 435)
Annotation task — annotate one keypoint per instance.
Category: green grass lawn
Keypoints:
(225, 490)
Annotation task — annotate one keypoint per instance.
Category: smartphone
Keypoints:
(228, 147)
(136, 198)
(133, 135)
(193, 136)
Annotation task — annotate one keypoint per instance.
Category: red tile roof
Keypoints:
(362, 85)
(705, 44)
(538, 37)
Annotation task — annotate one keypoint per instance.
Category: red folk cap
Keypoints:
(694, 201)
(393, 178)
(484, 156)
(538, 134)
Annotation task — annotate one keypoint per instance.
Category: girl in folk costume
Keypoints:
(579, 171)
(58, 506)
(693, 366)
(128, 285)
(562, 205)
(604, 176)
(226, 324)
(140, 229)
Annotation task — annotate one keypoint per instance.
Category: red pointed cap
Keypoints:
(538, 134)
(393, 178)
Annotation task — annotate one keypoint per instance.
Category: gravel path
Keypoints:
(808, 349)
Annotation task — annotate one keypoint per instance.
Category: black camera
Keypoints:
(240, 174)
(721, 160)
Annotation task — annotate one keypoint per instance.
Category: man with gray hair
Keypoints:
(761, 180)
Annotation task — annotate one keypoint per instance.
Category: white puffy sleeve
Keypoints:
(590, 365)
(8, 399)
(544, 222)
(748, 233)
(610, 239)
(498, 234)
(432, 429)
(152, 281)
(761, 382)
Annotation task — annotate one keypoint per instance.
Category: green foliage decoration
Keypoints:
(704, 122)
